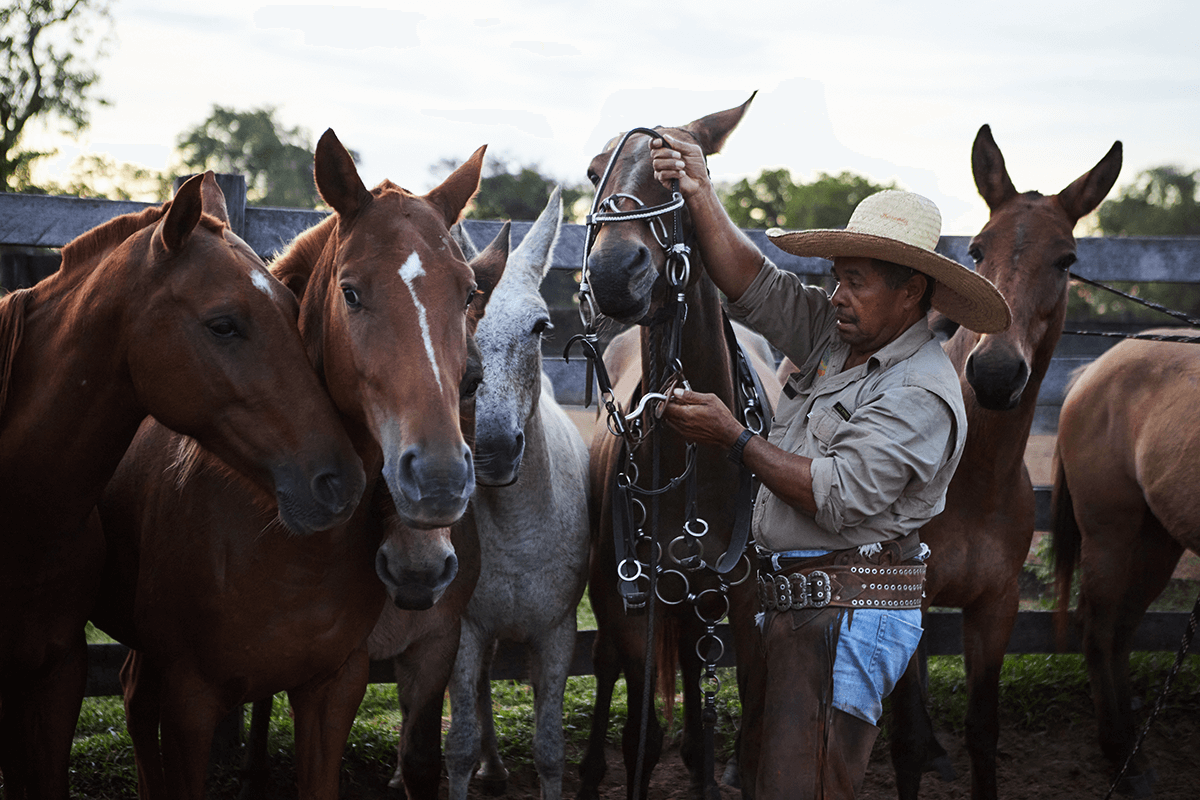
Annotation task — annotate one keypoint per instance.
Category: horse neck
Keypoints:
(704, 351)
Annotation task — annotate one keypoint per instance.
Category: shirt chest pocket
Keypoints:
(823, 424)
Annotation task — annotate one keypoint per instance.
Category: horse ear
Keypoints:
(458, 233)
(213, 198)
(488, 267)
(183, 214)
(337, 178)
(1086, 191)
(712, 131)
(991, 176)
(457, 190)
(536, 249)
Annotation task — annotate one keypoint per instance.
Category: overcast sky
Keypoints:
(889, 90)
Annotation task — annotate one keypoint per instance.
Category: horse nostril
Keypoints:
(449, 570)
(329, 490)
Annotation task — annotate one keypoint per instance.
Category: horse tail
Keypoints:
(1065, 544)
(12, 328)
(666, 656)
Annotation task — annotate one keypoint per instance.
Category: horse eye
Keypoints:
(542, 326)
(351, 296)
(1065, 262)
(593, 177)
(976, 255)
(223, 328)
(469, 386)
(471, 295)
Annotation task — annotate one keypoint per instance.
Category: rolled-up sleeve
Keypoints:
(897, 439)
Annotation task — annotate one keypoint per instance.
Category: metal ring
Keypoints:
(700, 597)
(754, 420)
(640, 573)
(699, 521)
(749, 570)
(710, 640)
(588, 317)
(687, 560)
(639, 512)
(678, 276)
(658, 589)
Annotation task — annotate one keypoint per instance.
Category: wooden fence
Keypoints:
(31, 221)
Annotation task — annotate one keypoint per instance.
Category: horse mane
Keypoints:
(12, 328)
(85, 247)
(302, 267)
(189, 458)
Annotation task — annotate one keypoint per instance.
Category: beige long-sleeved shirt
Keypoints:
(885, 436)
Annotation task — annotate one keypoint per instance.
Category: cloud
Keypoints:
(346, 28)
(525, 121)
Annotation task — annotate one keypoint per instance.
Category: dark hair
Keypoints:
(896, 275)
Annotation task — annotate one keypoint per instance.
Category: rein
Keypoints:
(640, 573)
(1154, 337)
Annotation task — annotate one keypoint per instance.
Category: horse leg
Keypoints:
(987, 627)
(492, 774)
(606, 666)
(142, 686)
(463, 739)
(691, 748)
(257, 767)
(641, 749)
(38, 725)
(422, 674)
(189, 714)
(1116, 587)
(324, 713)
(550, 663)
(915, 749)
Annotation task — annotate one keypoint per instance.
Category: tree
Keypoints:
(44, 74)
(1162, 201)
(775, 200)
(276, 161)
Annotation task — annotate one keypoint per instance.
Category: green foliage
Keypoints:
(99, 175)
(45, 74)
(775, 200)
(1162, 201)
(276, 161)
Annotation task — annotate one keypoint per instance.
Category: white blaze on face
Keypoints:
(262, 282)
(411, 269)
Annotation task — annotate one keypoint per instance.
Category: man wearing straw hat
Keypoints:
(866, 437)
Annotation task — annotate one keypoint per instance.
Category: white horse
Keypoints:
(531, 508)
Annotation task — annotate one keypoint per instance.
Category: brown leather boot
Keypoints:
(848, 751)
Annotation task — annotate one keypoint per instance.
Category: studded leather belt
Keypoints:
(844, 579)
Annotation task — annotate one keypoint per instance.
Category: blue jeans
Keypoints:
(873, 650)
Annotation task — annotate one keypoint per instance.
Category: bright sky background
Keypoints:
(890, 90)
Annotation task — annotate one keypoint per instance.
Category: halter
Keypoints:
(638, 553)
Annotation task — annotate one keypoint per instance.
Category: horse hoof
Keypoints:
(1141, 785)
(397, 781)
(943, 767)
(731, 777)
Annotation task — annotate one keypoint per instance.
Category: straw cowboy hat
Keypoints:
(903, 228)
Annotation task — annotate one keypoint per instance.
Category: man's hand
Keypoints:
(682, 161)
(702, 418)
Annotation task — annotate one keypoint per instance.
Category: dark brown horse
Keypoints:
(626, 266)
(981, 539)
(220, 606)
(1124, 508)
(164, 312)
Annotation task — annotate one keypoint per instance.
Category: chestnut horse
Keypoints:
(220, 606)
(162, 312)
(1124, 509)
(626, 266)
(981, 539)
(423, 645)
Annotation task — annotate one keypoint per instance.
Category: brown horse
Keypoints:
(223, 608)
(1124, 509)
(164, 312)
(423, 645)
(981, 539)
(626, 266)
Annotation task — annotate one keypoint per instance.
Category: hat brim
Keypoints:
(964, 296)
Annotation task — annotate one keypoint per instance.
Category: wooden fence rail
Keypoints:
(50, 222)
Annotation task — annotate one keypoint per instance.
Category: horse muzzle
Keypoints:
(416, 566)
(430, 491)
(325, 500)
(998, 376)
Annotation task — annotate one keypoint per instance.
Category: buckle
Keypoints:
(795, 591)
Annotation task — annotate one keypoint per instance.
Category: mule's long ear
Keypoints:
(535, 253)
(457, 190)
(488, 267)
(712, 131)
(184, 213)
(991, 176)
(337, 178)
(213, 198)
(1086, 191)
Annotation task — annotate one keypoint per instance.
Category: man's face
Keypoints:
(869, 313)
